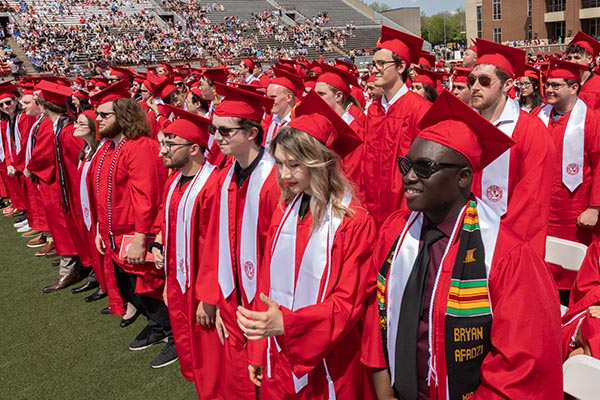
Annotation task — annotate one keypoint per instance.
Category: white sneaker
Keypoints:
(23, 229)
(20, 224)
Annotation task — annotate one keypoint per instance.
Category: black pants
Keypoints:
(155, 310)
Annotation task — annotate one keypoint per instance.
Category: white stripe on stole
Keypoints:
(29, 147)
(573, 144)
(183, 224)
(494, 179)
(314, 268)
(83, 192)
(404, 258)
(248, 240)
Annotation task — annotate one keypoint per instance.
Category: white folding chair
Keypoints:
(565, 253)
(581, 375)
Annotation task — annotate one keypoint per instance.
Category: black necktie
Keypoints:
(410, 315)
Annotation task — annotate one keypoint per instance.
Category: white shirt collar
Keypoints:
(387, 104)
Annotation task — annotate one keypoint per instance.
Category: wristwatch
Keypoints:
(156, 245)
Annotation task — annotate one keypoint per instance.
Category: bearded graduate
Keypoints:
(312, 283)
(464, 308)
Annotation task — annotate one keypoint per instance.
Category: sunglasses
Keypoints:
(224, 131)
(178, 83)
(484, 80)
(423, 167)
(6, 103)
(104, 115)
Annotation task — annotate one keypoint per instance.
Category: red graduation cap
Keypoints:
(315, 117)
(509, 59)
(249, 63)
(460, 74)
(55, 93)
(119, 90)
(427, 60)
(454, 124)
(533, 72)
(339, 79)
(406, 46)
(189, 126)
(165, 87)
(345, 65)
(240, 103)
(427, 77)
(289, 81)
(81, 94)
(120, 72)
(216, 74)
(316, 67)
(590, 44)
(167, 67)
(8, 89)
(566, 70)
(55, 79)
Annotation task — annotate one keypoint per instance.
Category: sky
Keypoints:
(429, 7)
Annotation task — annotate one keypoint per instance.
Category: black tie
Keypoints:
(410, 315)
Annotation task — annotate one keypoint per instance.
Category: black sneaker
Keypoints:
(167, 356)
(147, 338)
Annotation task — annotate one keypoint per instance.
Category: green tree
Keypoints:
(379, 7)
(445, 27)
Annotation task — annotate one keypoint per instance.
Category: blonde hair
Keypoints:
(327, 182)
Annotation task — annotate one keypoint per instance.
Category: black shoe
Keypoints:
(97, 295)
(19, 214)
(126, 322)
(146, 338)
(89, 285)
(167, 356)
(105, 311)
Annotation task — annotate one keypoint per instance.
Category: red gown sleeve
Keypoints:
(592, 139)
(524, 361)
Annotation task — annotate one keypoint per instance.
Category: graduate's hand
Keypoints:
(588, 218)
(256, 373)
(152, 104)
(205, 314)
(594, 311)
(27, 174)
(136, 253)
(257, 325)
(221, 330)
(100, 246)
(11, 171)
(159, 258)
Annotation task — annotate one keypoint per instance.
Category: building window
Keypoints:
(594, 27)
(556, 5)
(556, 31)
(529, 32)
(479, 22)
(590, 3)
(529, 8)
(498, 35)
(497, 9)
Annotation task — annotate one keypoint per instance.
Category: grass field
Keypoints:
(57, 346)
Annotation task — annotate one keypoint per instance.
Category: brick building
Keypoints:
(518, 20)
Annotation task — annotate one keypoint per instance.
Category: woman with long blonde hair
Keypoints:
(312, 280)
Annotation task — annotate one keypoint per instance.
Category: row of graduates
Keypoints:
(235, 229)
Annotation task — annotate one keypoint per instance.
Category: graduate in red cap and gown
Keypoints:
(460, 84)
(464, 309)
(391, 122)
(573, 128)
(127, 183)
(247, 196)
(517, 184)
(187, 205)
(584, 49)
(312, 282)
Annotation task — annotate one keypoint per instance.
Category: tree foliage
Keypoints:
(379, 7)
(432, 27)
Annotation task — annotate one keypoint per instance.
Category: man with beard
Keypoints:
(188, 200)
(128, 178)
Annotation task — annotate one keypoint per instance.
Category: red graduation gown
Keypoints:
(16, 159)
(524, 361)
(235, 381)
(327, 330)
(590, 92)
(353, 161)
(198, 348)
(137, 185)
(388, 136)
(585, 293)
(529, 182)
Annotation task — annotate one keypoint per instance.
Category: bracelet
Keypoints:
(155, 245)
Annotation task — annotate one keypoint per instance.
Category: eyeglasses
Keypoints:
(523, 84)
(6, 103)
(423, 167)
(224, 131)
(380, 65)
(484, 80)
(554, 85)
(81, 124)
(144, 91)
(169, 145)
(178, 83)
(104, 115)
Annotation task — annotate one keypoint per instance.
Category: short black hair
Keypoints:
(246, 124)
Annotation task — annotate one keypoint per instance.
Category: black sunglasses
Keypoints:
(423, 167)
(224, 131)
(484, 80)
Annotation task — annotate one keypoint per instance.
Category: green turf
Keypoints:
(56, 346)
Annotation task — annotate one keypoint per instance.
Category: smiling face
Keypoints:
(107, 121)
(525, 86)
(82, 127)
(237, 142)
(487, 97)
(282, 100)
(29, 105)
(293, 175)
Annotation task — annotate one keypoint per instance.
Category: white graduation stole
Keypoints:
(183, 224)
(405, 255)
(494, 179)
(248, 238)
(573, 144)
(29, 147)
(17, 137)
(315, 266)
(83, 192)
(2, 154)
(276, 123)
